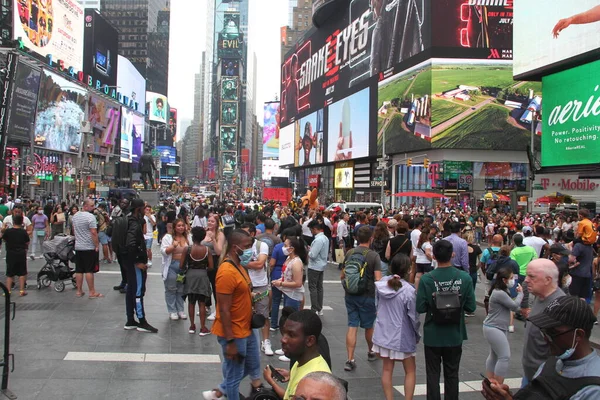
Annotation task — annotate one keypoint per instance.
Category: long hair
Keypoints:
(424, 237)
(501, 274)
(399, 267)
(381, 232)
(299, 248)
(186, 229)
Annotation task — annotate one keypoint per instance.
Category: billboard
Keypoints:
(228, 138)
(343, 177)
(168, 155)
(131, 84)
(132, 136)
(286, 144)
(363, 41)
(271, 131)
(229, 89)
(23, 103)
(173, 123)
(51, 28)
(230, 67)
(308, 142)
(478, 29)
(104, 121)
(60, 111)
(348, 127)
(551, 35)
(229, 162)
(571, 121)
(229, 110)
(231, 41)
(157, 107)
(270, 169)
(100, 50)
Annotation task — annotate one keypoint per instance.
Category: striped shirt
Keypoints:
(82, 222)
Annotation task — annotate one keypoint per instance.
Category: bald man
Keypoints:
(542, 281)
(320, 386)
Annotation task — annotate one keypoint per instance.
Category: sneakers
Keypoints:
(274, 328)
(279, 352)
(204, 332)
(192, 329)
(32, 257)
(146, 327)
(119, 287)
(182, 315)
(469, 314)
(265, 346)
(371, 356)
(212, 316)
(350, 365)
(284, 359)
(123, 290)
(211, 395)
(511, 328)
(131, 325)
(320, 313)
(174, 316)
(149, 263)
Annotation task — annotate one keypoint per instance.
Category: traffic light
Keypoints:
(90, 158)
(409, 162)
(426, 163)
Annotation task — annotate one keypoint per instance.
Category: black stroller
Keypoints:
(57, 252)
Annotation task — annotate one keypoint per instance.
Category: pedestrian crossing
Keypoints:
(143, 357)
(463, 387)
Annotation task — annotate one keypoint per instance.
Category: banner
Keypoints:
(271, 130)
(23, 103)
(104, 120)
(100, 51)
(230, 41)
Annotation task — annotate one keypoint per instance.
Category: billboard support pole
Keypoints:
(532, 158)
(383, 171)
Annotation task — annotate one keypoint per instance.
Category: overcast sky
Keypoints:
(187, 41)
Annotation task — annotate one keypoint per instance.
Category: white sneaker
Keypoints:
(511, 328)
(174, 316)
(182, 315)
(212, 316)
(211, 395)
(149, 263)
(265, 346)
(279, 352)
(284, 359)
(197, 313)
(320, 313)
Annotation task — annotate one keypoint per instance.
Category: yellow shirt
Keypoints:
(585, 230)
(297, 373)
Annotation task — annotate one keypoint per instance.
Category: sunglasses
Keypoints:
(550, 335)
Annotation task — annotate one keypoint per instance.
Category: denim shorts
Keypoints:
(361, 311)
(148, 243)
(103, 238)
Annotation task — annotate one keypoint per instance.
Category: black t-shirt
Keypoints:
(171, 216)
(16, 240)
(474, 252)
(400, 244)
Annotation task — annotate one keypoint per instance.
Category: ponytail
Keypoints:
(395, 283)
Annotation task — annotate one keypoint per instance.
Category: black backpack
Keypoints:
(118, 232)
(447, 307)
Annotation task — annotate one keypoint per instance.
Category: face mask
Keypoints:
(286, 251)
(511, 283)
(567, 281)
(245, 257)
(569, 352)
(40, 212)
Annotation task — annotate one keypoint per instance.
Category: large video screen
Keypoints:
(286, 144)
(61, 106)
(168, 155)
(100, 51)
(571, 130)
(158, 107)
(308, 142)
(271, 130)
(24, 100)
(132, 85)
(51, 27)
(348, 127)
(553, 34)
(228, 138)
(104, 120)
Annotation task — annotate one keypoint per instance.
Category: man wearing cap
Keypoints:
(574, 370)
(540, 246)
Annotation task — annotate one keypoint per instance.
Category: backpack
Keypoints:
(355, 268)
(447, 309)
(491, 265)
(118, 232)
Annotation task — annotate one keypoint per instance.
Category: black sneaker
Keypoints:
(131, 325)
(350, 365)
(123, 290)
(255, 390)
(118, 287)
(146, 327)
(371, 356)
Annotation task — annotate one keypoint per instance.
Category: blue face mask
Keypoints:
(245, 257)
(569, 352)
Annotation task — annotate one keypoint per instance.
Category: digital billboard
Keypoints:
(231, 41)
(230, 67)
(308, 142)
(229, 89)
(271, 130)
(173, 122)
(551, 35)
(270, 169)
(100, 50)
(53, 28)
(132, 85)
(228, 138)
(157, 106)
(343, 178)
(478, 29)
(571, 118)
(229, 159)
(348, 127)
(60, 111)
(23, 103)
(229, 111)
(168, 155)
(128, 127)
(104, 121)
(286, 144)
(363, 41)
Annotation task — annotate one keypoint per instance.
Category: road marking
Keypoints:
(119, 273)
(143, 357)
(463, 387)
(332, 282)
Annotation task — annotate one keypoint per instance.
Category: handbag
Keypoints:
(40, 233)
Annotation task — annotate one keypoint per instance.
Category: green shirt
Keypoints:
(3, 210)
(523, 255)
(444, 335)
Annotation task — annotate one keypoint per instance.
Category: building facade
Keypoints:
(299, 21)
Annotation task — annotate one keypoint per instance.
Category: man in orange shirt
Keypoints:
(585, 229)
(234, 316)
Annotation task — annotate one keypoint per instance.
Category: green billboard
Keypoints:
(571, 116)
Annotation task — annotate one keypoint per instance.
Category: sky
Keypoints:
(188, 40)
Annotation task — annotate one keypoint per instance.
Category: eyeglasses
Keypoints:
(551, 335)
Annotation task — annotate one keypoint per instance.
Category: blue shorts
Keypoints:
(103, 238)
(361, 311)
(148, 244)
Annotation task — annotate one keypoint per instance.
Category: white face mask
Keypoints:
(286, 251)
(40, 212)
(511, 283)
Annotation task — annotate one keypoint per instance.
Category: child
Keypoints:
(17, 242)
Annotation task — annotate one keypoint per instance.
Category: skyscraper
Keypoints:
(144, 27)
(299, 21)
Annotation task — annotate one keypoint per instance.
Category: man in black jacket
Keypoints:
(135, 258)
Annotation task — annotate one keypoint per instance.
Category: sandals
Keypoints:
(22, 293)
(80, 294)
(96, 296)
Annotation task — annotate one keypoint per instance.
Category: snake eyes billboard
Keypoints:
(364, 41)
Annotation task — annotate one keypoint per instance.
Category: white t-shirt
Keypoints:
(305, 230)
(8, 221)
(149, 227)
(259, 277)
(414, 238)
(201, 222)
(420, 253)
(536, 242)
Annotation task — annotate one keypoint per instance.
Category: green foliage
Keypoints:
(398, 139)
(443, 110)
(450, 77)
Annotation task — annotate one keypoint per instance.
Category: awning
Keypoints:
(426, 195)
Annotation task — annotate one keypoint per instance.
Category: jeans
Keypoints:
(234, 372)
(315, 286)
(384, 269)
(287, 301)
(474, 278)
(450, 357)
(136, 288)
(477, 237)
(173, 290)
(37, 239)
(276, 296)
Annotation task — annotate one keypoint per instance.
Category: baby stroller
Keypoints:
(57, 252)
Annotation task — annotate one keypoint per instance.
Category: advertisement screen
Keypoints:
(104, 121)
(228, 138)
(553, 34)
(157, 106)
(271, 130)
(173, 122)
(229, 89)
(286, 144)
(363, 41)
(51, 27)
(60, 111)
(231, 42)
(100, 50)
(308, 142)
(168, 155)
(571, 125)
(132, 133)
(344, 178)
(473, 29)
(270, 169)
(230, 67)
(24, 100)
(229, 113)
(229, 162)
(137, 133)
(132, 85)
(348, 134)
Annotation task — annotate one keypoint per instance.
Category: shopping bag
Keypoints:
(339, 256)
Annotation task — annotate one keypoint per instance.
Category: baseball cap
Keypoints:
(559, 249)
(567, 310)
(527, 229)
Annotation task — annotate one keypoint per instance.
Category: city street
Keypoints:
(75, 348)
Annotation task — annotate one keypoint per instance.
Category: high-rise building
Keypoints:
(299, 21)
(144, 27)
(90, 4)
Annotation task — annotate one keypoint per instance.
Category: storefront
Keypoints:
(551, 189)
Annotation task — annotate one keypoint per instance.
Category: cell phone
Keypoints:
(275, 374)
(486, 380)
